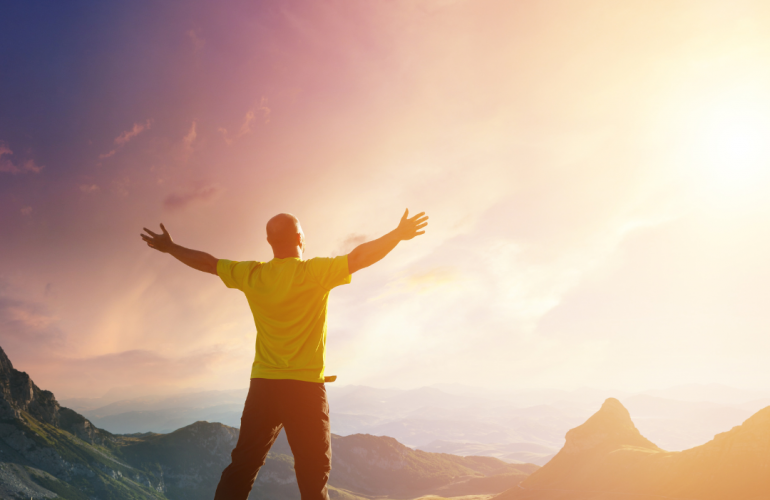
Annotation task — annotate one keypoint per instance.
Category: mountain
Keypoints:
(49, 451)
(415, 417)
(448, 418)
(511, 452)
(607, 458)
(193, 457)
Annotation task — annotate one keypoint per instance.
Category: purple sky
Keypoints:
(596, 176)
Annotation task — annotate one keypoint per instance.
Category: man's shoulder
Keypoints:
(324, 261)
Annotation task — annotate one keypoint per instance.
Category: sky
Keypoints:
(596, 176)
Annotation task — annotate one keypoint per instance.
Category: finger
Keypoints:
(421, 225)
(163, 228)
(418, 221)
(418, 233)
(145, 237)
(406, 214)
(417, 216)
(150, 232)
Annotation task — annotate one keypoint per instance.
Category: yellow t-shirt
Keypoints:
(288, 299)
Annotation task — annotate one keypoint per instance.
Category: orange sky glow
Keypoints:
(596, 174)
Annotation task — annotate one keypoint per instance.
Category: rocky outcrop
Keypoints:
(18, 393)
(77, 425)
(45, 448)
(16, 481)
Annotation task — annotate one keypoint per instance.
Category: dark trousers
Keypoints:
(302, 409)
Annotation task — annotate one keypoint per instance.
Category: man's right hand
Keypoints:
(409, 228)
(161, 242)
(193, 258)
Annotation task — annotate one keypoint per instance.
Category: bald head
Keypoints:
(285, 235)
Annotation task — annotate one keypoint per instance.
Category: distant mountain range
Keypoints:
(607, 458)
(49, 451)
(524, 426)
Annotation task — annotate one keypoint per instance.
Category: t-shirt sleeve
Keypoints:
(235, 274)
(330, 271)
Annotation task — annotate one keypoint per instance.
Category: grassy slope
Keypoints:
(90, 470)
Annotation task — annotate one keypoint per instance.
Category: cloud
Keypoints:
(142, 367)
(197, 42)
(27, 317)
(190, 137)
(431, 279)
(201, 193)
(31, 166)
(422, 282)
(126, 136)
(89, 188)
(264, 109)
(248, 119)
(9, 167)
(350, 242)
(28, 326)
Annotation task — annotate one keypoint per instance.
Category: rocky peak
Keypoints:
(610, 427)
(19, 393)
(5, 364)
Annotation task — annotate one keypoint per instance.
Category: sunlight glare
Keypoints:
(729, 145)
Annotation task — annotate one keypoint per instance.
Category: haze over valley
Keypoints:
(526, 426)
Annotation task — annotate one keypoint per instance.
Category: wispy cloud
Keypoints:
(350, 242)
(194, 194)
(197, 42)
(27, 317)
(130, 134)
(126, 136)
(28, 326)
(248, 121)
(89, 188)
(189, 139)
(9, 167)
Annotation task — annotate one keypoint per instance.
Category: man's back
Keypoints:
(288, 299)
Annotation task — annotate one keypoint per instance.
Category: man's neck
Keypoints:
(288, 253)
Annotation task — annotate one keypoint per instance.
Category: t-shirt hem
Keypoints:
(283, 375)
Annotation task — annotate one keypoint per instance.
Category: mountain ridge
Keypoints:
(50, 451)
(607, 458)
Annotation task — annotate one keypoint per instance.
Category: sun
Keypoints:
(728, 143)
(735, 142)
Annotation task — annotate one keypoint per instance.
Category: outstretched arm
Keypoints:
(193, 258)
(366, 254)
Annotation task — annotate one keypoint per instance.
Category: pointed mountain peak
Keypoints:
(614, 409)
(6, 366)
(610, 427)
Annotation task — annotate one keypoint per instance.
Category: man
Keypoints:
(288, 298)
